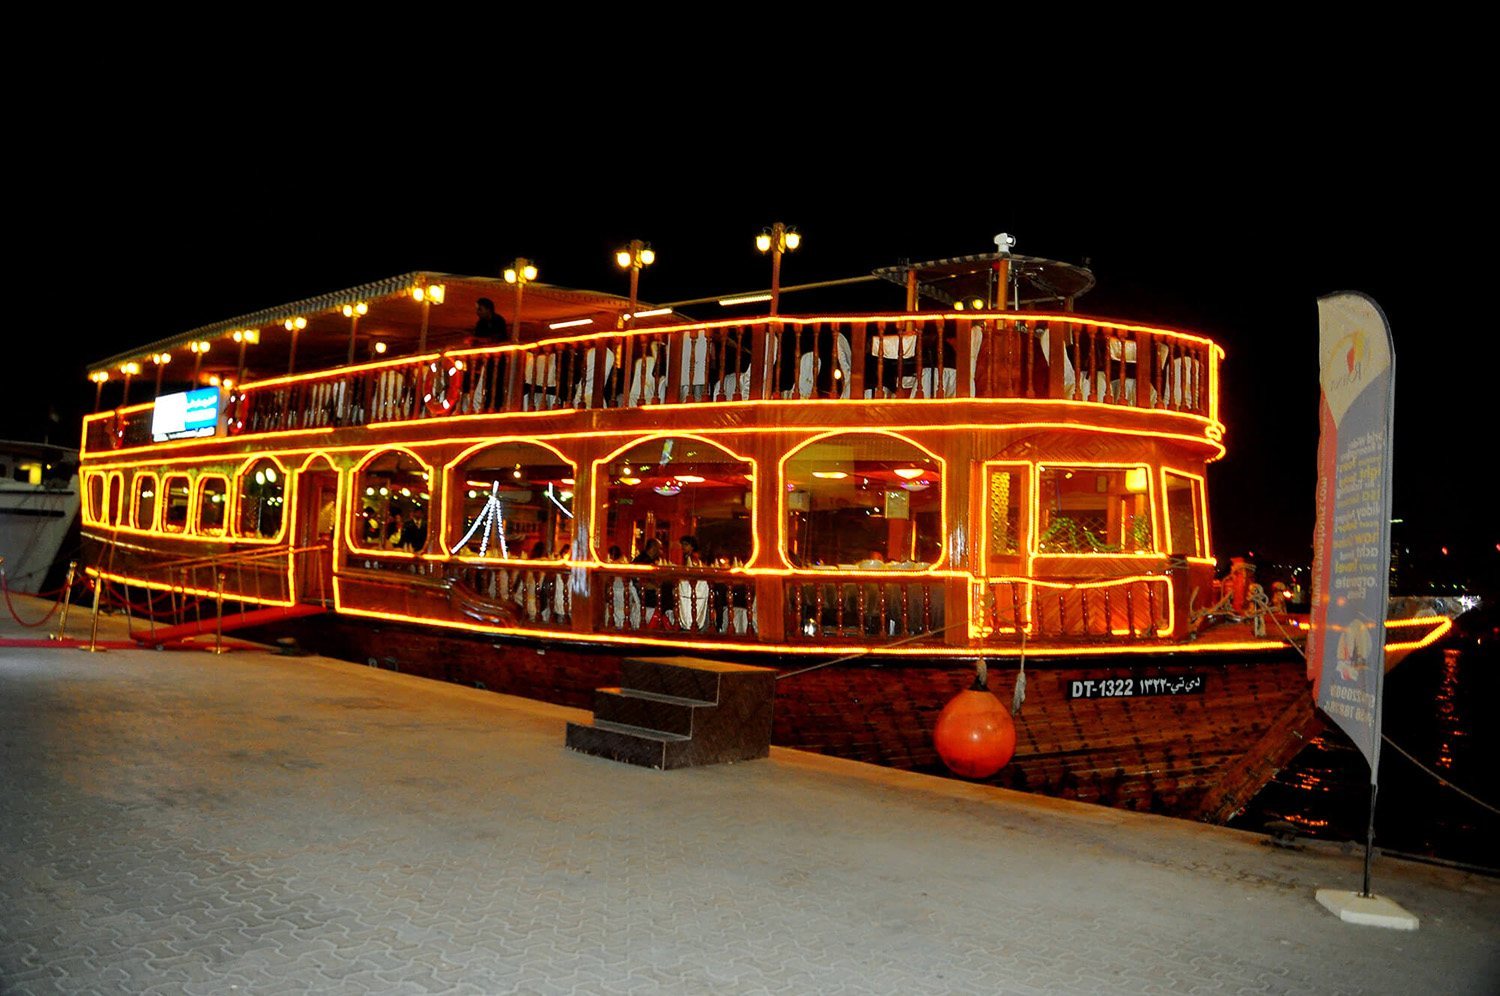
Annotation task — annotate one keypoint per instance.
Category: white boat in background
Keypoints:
(38, 506)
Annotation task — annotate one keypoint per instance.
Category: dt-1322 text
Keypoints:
(1113, 688)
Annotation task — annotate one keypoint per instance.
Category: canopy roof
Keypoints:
(394, 317)
(962, 278)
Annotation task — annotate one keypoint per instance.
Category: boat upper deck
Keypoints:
(377, 356)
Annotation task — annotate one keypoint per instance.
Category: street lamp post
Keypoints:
(293, 325)
(522, 272)
(778, 240)
(634, 258)
(353, 313)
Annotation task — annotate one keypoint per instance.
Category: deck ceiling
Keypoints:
(394, 318)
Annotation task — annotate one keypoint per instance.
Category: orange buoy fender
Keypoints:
(975, 735)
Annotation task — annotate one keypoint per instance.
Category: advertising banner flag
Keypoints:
(1351, 541)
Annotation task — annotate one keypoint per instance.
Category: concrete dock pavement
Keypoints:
(180, 822)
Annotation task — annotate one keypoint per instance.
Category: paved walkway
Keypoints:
(178, 822)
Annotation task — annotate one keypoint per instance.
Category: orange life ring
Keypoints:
(237, 411)
(441, 386)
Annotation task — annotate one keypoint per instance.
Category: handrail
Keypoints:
(916, 357)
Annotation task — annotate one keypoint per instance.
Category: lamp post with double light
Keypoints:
(634, 258)
(777, 240)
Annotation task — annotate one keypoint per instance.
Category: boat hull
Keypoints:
(1161, 748)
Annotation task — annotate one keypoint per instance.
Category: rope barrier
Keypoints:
(5, 584)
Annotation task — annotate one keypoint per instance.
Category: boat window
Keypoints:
(143, 503)
(213, 496)
(862, 501)
(1094, 510)
(515, 502)
(392, 493)
(1005, 491)
(671, 490)
(262, 496)
(94, 499)
(116, 498)
(1184, 515)
(175, 512)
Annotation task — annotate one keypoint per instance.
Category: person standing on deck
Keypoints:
(489, 330)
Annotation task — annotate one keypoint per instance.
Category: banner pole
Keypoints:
(1369, 841)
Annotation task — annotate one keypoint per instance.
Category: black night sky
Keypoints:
(1231, 229)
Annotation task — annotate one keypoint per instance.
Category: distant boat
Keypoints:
(38, 506)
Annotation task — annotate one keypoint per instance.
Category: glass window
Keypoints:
(95, 498)
(143, 506)
(860, 500)
(392, 493)
(176, 491)
(1184, 515)
(677, 500)
(262, 490)
(515, 502)
(1094, 510)
(116, 498)
(1006, 490)
(213, 499)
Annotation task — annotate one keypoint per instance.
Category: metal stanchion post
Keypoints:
(219, 647)
(62, 623)
(93, 646)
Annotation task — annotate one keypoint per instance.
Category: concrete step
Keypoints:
(627, 744)
(647, 710)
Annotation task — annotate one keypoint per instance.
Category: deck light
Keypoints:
(909, 473)
(830, 475)
(295, 324)
(130, 369)
(776, 240)
(634, 257)
(726, 302)
(1135, 479)
(571, 324)
(632, 481)
(520, 273)
(689, 479)
(668, 490)
(379, 347)
(359, 308)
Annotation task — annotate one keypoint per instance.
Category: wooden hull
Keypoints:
(1160, 752)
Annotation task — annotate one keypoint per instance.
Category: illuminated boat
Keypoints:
(982, 472)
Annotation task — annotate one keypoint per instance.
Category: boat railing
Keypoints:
(1110, 610)
(863, 609)
(667, 601)
(918, 357)
(182, 589)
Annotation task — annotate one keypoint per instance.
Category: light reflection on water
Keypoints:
(1439, 706)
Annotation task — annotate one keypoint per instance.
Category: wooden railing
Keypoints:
(863, 610)
(919, 357)
(675, 600)
(1127, 610)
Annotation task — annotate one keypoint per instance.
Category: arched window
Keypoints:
(660, 491)
(262, 499)
(860, 500)
(143, 501)
(511, 501)
(94, 498)
(115, 500)
(213, 501)
(389, 511)
(176, 492)
(1084, 510)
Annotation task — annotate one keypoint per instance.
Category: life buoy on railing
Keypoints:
(117, 430)
(237, 411)
(442, 383)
